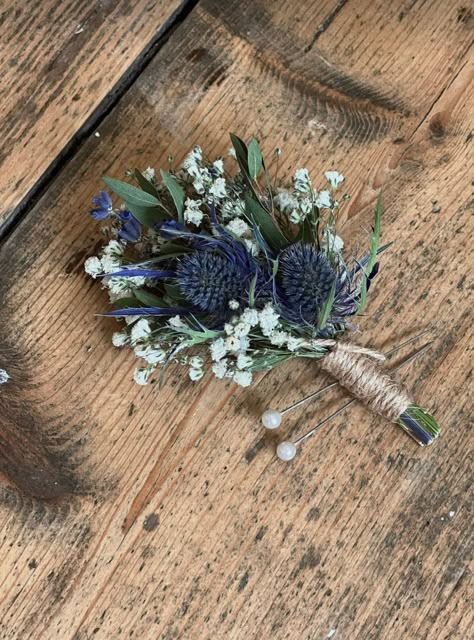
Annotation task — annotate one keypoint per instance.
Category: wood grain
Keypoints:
(60, 60)
(175, 519)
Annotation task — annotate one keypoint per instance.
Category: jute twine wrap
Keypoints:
(359, 371)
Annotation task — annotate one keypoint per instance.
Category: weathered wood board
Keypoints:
(130, 512)
(60, 61)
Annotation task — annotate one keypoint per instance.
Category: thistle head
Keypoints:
(306, 279)
(209, 281)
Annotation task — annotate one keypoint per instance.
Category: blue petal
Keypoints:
(99, 214)
(146, 273)
(147, 311)
(131, 230)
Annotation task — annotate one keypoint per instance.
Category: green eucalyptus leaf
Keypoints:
(146, 185)
(241, 153)
(149, 299)
(149, 216)
(267, 225)
(127, 303)
(254, 159)
(131, 195)
(176, 191)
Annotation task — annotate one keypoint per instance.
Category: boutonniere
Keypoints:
(228, 273)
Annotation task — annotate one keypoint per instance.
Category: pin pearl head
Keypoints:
(271, 419)
(286, 451)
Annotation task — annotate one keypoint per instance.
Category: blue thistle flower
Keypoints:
(103, 206)
(210, 280)
(305, 282)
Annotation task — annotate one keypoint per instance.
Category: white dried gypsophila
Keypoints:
(268, 319)
(114, 248)
(176, 322)
(111, 264)
(219, 165)
(4, 376)
(252, 247)
(120, 338)
(279, 338)
(244, 343)
(196, 372)
(294, 344)
(241, 329)
(219, 368)
(217, 189)
(243, 378)
(149, 174)
(250, 316)
(305, 205)
(334, 178)
(286, 201)
(324, 200)
(234, 305)
(302, 181)
(192, 162)
(218, 349)
(192, 211)
(93, 266)
(332, 242)
(142, 374)
(244, 361)
(295, 217)
(232, 208)
(118, 286)
(238, 227)
(151, 354)
(232, 343)
(140, 332)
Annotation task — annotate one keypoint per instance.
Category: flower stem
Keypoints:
(419, 424)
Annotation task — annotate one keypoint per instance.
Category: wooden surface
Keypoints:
(130, 512)
(60, 62)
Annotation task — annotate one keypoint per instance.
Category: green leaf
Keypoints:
(175, 293)
(127, 303)
(254, 158)
(145, 184)
(326, 309)
(374, 246)
(146, 208)
(176, 191)
(149, 299)
(131, 195)
(267, 225)
(241, 153)
(253, 284)
(306, 231)
(149, 216)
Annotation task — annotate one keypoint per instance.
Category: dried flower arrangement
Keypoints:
(233, 273)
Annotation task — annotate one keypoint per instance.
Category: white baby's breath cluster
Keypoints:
(233, 354)
(298, 203)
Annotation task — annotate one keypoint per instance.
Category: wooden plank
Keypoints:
(59, 61)
(171, 517)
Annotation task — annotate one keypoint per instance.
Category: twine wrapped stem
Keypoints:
(360, 371)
